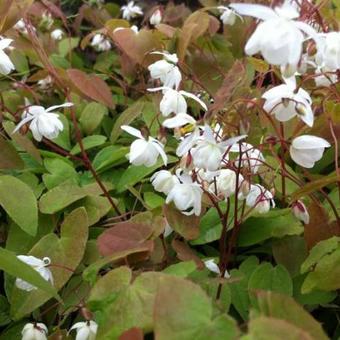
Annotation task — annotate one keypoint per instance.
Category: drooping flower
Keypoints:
(226, 182)
(156, 17)
(328, 51)
(306, 150)
(208, 153)
(228, 16)
(251, 158)
(38, 265)
(173, 101)
(285, 103)
(163, 181)
(34, 331)
(142, 151)
(300, 211)
(57, 34)
(131, 10)
(100, 43)
(166, 70)
(279, 37)
(43, 122)
(186, 195)
(6, 65)
(260, 199)
(45, 83)
(213, 267)
(178, 120)
(85, 330)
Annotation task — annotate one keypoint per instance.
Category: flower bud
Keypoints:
(300, 211)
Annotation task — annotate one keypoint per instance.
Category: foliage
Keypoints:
(123, 253)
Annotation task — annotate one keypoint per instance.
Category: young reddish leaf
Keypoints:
(319, 227)
(124, 236)
(185, 253)
(186, 226)
(132, 334)
(91, 86)
(9, 156)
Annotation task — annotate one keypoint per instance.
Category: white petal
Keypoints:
(54, 107)
(309, 142)
(192, 96)
(178, 121)
(257, 11)
(132, 131)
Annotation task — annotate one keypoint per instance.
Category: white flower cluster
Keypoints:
(86, 330)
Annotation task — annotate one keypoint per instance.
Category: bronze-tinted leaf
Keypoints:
(91, 86)
(186, 226)
(124, 236)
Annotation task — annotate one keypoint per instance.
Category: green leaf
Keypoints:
(210, 226)
(4, 311)
(276, 223)
(109, 156)
(106, 288)
(59, 171)
(264, 328)
(285, 308)
(239, 285)
(65, 253)
(134, 307)
(63, 138)
(60, 197)
(10, 264)
(89, 142)
(126, 117)
(267, 277)
(183, 311)
(66, 45)
(19, 201)
(134, 174)
(9, 156)
(181, 269)
(91, 117)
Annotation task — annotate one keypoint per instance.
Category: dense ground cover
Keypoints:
(169, 170)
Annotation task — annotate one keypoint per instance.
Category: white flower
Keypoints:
(34, 331)
(324, 77)
(39, 266)
(285, 103)
(142, 151)
(300, 211)
(167, 230)
(156, 17)
(186, 195)
(260, 198)
(100, 43)
(173, 101)
(328, 54)
(134, 28)
(166, 70)
(178, 120)
(6, 65)
(85, 330)
(228, 16)
(226, 182)
(208, 153)
(45, 83)
(188, 141)
(43, 122)
(163, 181)
(251, 158)
(213, 267)
(279, 37)
(131, 11)
(306, 150)
(57, 34)
(21, 26)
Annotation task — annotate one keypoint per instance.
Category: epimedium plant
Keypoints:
(168, 171)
